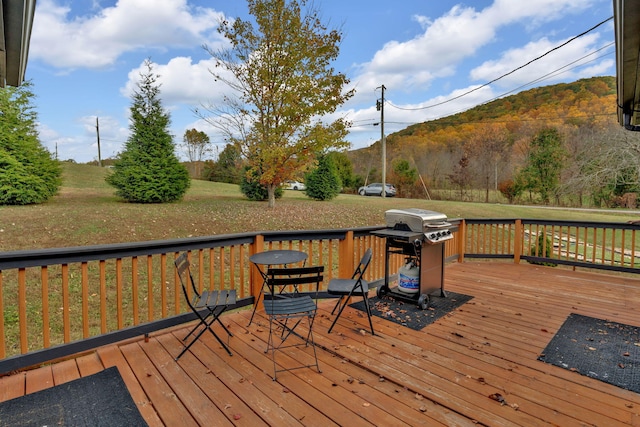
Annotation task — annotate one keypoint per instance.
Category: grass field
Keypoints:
(86, 212)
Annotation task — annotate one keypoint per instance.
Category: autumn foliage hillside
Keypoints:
(436, 147)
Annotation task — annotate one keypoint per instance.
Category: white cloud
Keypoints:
(182, 82)
(98, 40)
(554, 60)
(453, 38)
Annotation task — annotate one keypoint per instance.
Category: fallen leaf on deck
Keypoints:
(498, 398)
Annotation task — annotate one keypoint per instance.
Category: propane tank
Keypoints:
(409, 277)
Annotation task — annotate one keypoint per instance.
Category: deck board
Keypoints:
(441, 375)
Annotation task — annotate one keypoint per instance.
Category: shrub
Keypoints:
(323, 183)
(253, 190)
(543, 249)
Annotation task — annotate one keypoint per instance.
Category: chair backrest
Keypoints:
(362, 267)
(294, 277)
(182, 266)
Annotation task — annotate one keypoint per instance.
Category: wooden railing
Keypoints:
(605, 246)
(58, 302)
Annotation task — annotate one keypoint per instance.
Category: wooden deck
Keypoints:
(442, 375)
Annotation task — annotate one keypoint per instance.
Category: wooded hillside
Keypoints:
(490, 145)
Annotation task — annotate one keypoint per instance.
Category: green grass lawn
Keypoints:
(86, 212)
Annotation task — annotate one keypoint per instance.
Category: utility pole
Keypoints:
(98, 136)
(380, 107)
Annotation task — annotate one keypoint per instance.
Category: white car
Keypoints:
(294, 185)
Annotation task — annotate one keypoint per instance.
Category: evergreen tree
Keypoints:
(148, 171)
(344, 168)
(28, 174)
(323, 183)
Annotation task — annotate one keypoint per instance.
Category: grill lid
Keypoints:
(415, 219)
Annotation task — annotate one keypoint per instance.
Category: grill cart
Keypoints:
(419, 235)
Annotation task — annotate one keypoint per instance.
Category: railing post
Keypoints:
(346, 260)
(518, 239)
(255, 279)
(462, 240)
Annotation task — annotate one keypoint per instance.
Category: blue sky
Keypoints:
(85, 58)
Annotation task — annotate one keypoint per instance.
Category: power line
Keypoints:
(506, 74)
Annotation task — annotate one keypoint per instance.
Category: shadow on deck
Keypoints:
(442, 375)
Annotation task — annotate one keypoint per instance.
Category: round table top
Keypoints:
(278, 257)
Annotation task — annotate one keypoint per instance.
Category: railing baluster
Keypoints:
(3, 351)
(134, 288)
(119, 296)
(85, 299)
(164, 303)
(223, 267)
(66, 321)
(22, 309)
(46, 335)
(150, 307)
(103, 296)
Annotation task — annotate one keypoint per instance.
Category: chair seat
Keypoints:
(302, 306)
(344, 286)
(216, 298)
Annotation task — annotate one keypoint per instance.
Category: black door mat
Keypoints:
(600, 349)
(101, 399)
(408, 313)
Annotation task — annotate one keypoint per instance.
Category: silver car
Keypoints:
(375, 189)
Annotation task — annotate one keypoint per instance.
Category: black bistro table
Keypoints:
(263, 260)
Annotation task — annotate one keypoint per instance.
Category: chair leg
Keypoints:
(219, 339)
(342, 306)
(207, 325)
(366, 304)
(337, 304)
(308, 340)
(255, 306)
(217, 316)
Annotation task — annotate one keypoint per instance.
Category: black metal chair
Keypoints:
(287, 307)
(355, 286)
(207, 305)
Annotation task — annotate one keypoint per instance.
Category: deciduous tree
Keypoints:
(196, 144)
(280, 70)
(541, 172)
(228, 167)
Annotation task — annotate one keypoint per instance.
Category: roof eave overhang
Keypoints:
(17, 22)
(626, 15)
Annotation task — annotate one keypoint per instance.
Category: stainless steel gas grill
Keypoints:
(419, 235)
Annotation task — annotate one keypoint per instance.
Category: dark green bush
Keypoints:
(543, 249)
(323, 183)
(253, 190)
